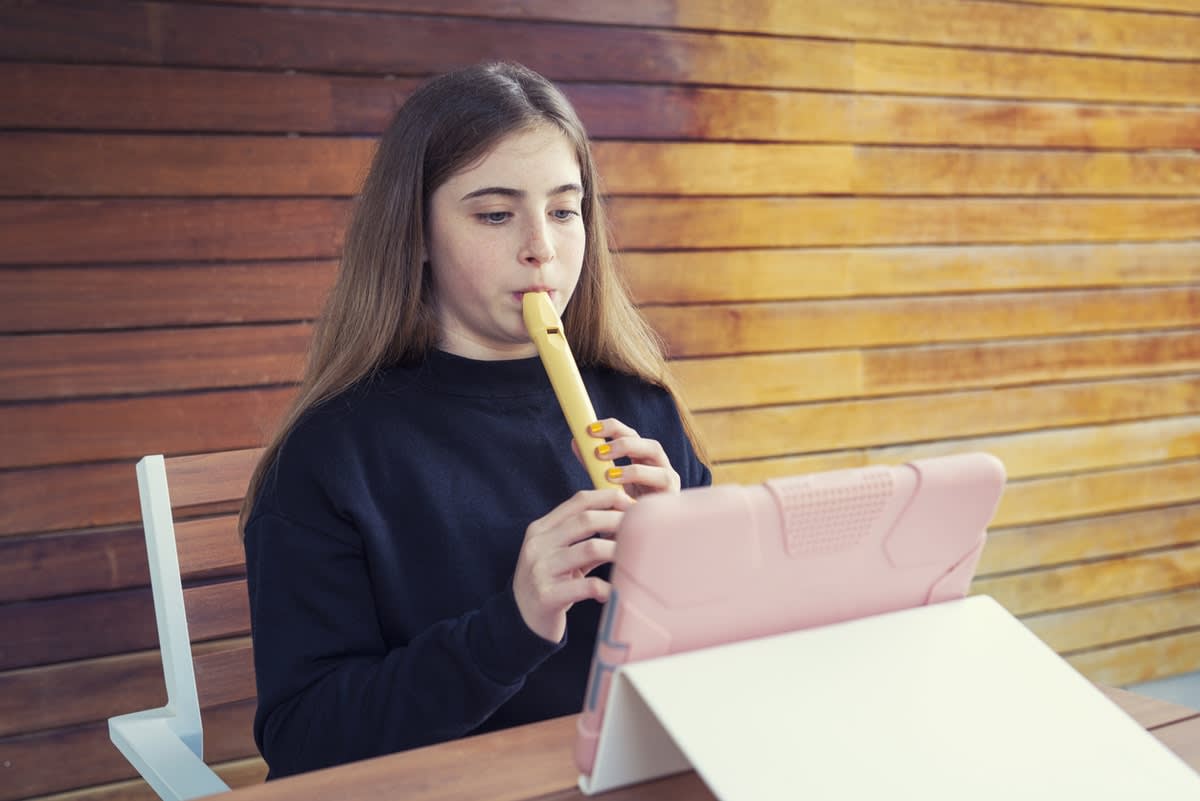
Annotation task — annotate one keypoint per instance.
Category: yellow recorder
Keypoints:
(546, 330)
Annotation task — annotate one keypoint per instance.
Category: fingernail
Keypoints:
(603, 450)
(614, 473)
(595, 428)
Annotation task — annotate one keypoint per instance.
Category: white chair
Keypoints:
(166, 745)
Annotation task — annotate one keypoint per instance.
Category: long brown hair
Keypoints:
(380, 311)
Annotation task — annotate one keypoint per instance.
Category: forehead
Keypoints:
(524, 160)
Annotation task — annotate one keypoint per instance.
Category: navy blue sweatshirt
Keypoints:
(380, 554)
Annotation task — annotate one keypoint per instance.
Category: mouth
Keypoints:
(553, 293)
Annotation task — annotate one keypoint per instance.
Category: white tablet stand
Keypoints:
(954, 701)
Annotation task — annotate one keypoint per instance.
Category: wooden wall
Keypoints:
(869, 231)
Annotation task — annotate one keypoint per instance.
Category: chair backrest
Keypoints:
(198, 573)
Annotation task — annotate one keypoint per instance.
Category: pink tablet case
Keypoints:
(719, 564)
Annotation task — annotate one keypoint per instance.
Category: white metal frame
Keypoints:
(166, 745)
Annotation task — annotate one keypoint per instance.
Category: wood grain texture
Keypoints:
(705, 330)
(1094, 582)
(647, 168)
(1136, 662)
(789, 274)
(701, 223)
(981, 24)
(76, 627)
(37, 761)
(83, 495)
(62, 695)
(45, 299)
(1028, 547)
(166, 230)
(115, 98)
(50, 565)
(237, 773)
(78, 165)
(226, 676)
(1101, 492)
(152, 34)
(1138, 618)
(815, 427)
(53, 366)
(218, 610)
(82, 430)
(91, 560)
(84, 97)
(795, 377)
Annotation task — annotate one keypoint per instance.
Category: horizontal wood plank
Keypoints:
(78, 165)
(210, 547)
(51, 366)
(648, 168)
(210, 478)
(705, 330)
(1069, 450)
(774, 378)
(810, 428)
(702, 223)
(1026, 455)
(77, 627)
(116, 98)
(36, 761)
(71, 563)
(226, 676)
(1094, 582)
(408, 45)
(791, 274)
(218, 610)
(75, 562)
(75, 431)
(241, 229)
(83, 495)
(1102, 492)
(238, 773)
(982, 24)
(58, 696)
(1138, 618)
(78, 97)
(164, 230)
(1133, 663)
(1028, 547)
(96, 298)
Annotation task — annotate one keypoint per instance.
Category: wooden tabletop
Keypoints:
(533, 763)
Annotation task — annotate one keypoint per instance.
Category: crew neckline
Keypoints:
(458, 375)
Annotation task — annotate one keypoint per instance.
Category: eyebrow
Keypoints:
(509, 192)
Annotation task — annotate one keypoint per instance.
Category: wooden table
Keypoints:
(533, 763)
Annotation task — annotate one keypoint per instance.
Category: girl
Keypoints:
(420, 538)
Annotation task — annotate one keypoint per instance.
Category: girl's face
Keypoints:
(509, 224)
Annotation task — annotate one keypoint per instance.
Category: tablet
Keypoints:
(720, 564)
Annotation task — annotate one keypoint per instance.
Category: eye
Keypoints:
(563, 215)
(494, 217)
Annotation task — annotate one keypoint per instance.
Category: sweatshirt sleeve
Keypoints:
(330, 690)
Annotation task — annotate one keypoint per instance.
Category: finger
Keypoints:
(564, 593)
(655, 479)
(579, 502)
(587, 524)
(637, 449)
(583, 557)
(610, 428)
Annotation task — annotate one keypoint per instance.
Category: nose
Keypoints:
(537, 249)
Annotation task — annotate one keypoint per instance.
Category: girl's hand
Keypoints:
(559, 550)
(651, 471)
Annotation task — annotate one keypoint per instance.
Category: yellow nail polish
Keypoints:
(595, 428)
(614, 473)
(603, 450)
